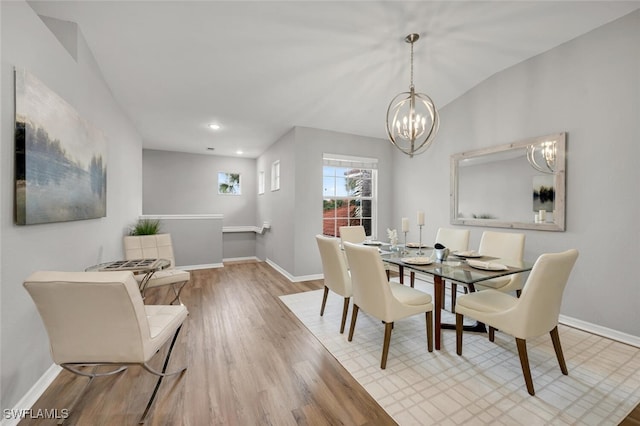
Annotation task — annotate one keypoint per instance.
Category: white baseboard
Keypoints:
(32, 395)
(240, 259)
(609, 333)
(290, 277)
(203, 266)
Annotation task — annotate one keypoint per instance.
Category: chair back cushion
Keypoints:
(91, 316)
(506, 245)
(539, 304)
(352, 234)
(334, 266)
(453, 239)
(371, 290)
(157, 246)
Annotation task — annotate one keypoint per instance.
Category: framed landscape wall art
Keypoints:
(544, 194)
(61, 165)
(229, 183)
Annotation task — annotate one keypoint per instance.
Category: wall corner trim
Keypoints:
(32, 395)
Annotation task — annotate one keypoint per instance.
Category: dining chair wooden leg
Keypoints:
(429, 319)
(524, 362)
(492, 334)
(388, 327)
(345, 311)
(412, 280)
(459, 320)
(354, 316)
(324, 300)
(454, 293)
(555, 338)
(518, 293)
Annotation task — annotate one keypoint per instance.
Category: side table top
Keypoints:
(135, 265)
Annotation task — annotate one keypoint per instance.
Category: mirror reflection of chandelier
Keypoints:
(542, 156)
(412, 118)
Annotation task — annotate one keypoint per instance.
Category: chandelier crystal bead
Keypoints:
(412, 118)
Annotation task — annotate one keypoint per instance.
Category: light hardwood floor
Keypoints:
(250, 362)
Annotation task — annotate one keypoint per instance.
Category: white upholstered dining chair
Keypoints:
(357, 235)
(454, 240)
(384, 300)
(535, 313)
(505, 245)
(336, 274)
(99, 318)
(158, 246)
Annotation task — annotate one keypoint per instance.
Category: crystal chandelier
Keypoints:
(542, 156)
(412, 118)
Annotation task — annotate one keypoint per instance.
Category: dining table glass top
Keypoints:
(454, 268)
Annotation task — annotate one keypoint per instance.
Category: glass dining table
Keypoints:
(455, 269)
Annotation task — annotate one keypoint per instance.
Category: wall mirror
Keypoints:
(518, 185)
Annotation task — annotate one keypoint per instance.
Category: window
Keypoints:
(229, 183)
(275, 175)
(261, 182)
(349, 193)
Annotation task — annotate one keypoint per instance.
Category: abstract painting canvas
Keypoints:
(61, 165)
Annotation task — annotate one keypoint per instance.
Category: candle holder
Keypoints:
(420, 252)
(404, 250)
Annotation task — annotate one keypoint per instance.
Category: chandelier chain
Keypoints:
(411, 86)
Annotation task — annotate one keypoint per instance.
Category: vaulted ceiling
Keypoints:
(258, 68)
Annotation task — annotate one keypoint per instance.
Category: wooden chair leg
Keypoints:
(454, 294)
(555, 338)
(429, 318)
(388, 327)
(324, 300)
(492, 334)
(518, 293)
(345, 311)
(459, 322)
(354, 316)
(412, 276)
(524, 362)
(388, 274)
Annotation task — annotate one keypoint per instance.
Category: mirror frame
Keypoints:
(558, 223)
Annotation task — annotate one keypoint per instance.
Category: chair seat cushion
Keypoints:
(166, 277)
(409, 295)
(163, 321)
(486, 301)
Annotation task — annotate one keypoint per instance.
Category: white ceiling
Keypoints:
(259, 68)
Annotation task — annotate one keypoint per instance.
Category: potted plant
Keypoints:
(146, 227)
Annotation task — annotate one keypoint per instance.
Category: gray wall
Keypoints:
(179, 183)
(588, 87)
(72, 246)
(296, 209)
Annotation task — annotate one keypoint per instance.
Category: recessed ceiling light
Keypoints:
(214, 126)
(239, 152)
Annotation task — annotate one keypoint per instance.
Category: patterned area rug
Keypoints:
(485, 385)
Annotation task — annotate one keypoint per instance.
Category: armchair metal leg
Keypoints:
(555, 338)
(345, 311)
(388, 328)
(91, 376)
(324, 300)
(354, 316)
(524, 362)
(161, 375)
(177, 289)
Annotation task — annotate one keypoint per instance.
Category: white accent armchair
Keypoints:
(157, 246)
(99, 318)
